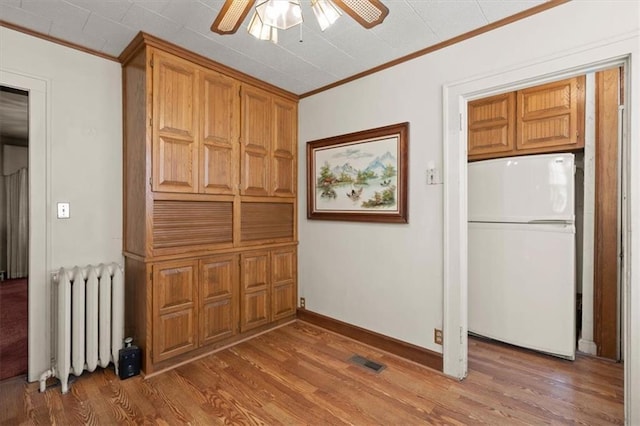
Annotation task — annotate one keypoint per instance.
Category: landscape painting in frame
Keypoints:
(360, 176)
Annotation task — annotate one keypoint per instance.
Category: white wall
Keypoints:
(82, 152)
(342, 272)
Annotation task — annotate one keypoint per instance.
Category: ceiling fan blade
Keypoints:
(367, 13)
(231, 16)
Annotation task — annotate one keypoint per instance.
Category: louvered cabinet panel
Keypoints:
(256, 141)
(254, 290)
(284, 148)
(283, 282)
(551, 116)
(219, 117)
(491, 126)
(175, 112)
(266, 222)
(175, 292)
(191, 225)
(218, 298)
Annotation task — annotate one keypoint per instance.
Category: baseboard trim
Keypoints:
(397, 347)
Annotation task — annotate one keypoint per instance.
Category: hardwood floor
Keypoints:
(299, 374)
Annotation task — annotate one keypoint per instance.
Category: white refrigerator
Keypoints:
(522, 252)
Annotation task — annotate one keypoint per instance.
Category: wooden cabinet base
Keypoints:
(152, 369)
(178, 310)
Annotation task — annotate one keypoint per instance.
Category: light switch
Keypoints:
(63, 211)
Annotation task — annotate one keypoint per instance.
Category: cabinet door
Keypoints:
(283, 282)
(254, 290)
(491, 126)
(175, 148)
(218, 298)
(256, 141)
(219, 118)
(175, 286)
(551, 116)
(284, 148)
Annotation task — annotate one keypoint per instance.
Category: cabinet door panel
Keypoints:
(219, 122)
(219, 298)
(175, 115)
(256, 141)
(491, 125)
(284, 148)
(254, 290)
(283, 281)
(255, 309)
(173, 170)
(283, 299)
(174, 308)
(551, 116)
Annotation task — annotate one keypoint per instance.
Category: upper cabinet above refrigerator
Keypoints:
(540, 119)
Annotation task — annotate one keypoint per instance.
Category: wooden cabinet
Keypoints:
(539, 119)
(219, 124)
(283, 282)
(175, 124)
(218, 298)
(268, 286)
(194, 303)
(255, 283)
(551, 116)
(492, 125)
(284, 148)
(209, 188)
(269, 144)
(175, 308)
(195, 128)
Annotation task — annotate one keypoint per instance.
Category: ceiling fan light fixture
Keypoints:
(261, 31)
(231, 16)
(281, 14)
(326, 13)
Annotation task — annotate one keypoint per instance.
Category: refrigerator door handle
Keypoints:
(550, 222)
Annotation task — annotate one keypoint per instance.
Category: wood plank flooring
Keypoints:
(299, 374)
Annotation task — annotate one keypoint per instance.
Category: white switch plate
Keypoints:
(63, 211)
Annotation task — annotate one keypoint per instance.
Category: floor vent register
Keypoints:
(367, 363)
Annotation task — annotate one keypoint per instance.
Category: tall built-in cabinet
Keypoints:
(210, 237)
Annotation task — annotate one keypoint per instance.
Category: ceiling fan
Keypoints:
(367, 13)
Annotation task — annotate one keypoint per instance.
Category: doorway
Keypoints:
(511, 281)
(14, 231)
(588, 59)
(39, 223)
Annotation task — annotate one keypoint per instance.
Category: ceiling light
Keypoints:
(282, 14)
(262, 31)
(326, 13)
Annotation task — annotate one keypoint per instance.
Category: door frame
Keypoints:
(610, 53)
(39, 340)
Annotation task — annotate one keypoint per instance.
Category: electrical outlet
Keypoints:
(437, 336)
(302, 302)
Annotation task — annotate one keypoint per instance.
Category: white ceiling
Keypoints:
(320, 59)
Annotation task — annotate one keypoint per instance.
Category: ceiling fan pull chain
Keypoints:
(300, 33)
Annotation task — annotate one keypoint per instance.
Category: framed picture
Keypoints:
(360, 176)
